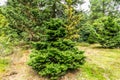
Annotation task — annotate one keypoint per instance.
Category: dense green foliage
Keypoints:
(55, 55)
(23, 17)
(3, 25)
(72, 20)
(104, 30)
(102, 24)
(5, 37)
(107, 31)
(101, 8)
(86, 34)
(26, 17)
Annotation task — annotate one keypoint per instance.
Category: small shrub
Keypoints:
(56, 55)
(87, 34)
(107, 32)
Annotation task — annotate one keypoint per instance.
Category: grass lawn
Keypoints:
(3, 65)
(101, 64)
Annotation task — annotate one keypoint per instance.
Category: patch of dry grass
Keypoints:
(101, 64)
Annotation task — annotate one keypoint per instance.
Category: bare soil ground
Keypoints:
(19, 70)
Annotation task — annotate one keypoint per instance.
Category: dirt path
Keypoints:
(19, 70)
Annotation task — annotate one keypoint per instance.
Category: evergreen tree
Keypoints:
(98, 10)
(54, 56)
(3, 25)
(21, 16)
(101, 8)
(107, 32)
(26, 17)
(6, 42)
(72, 18)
